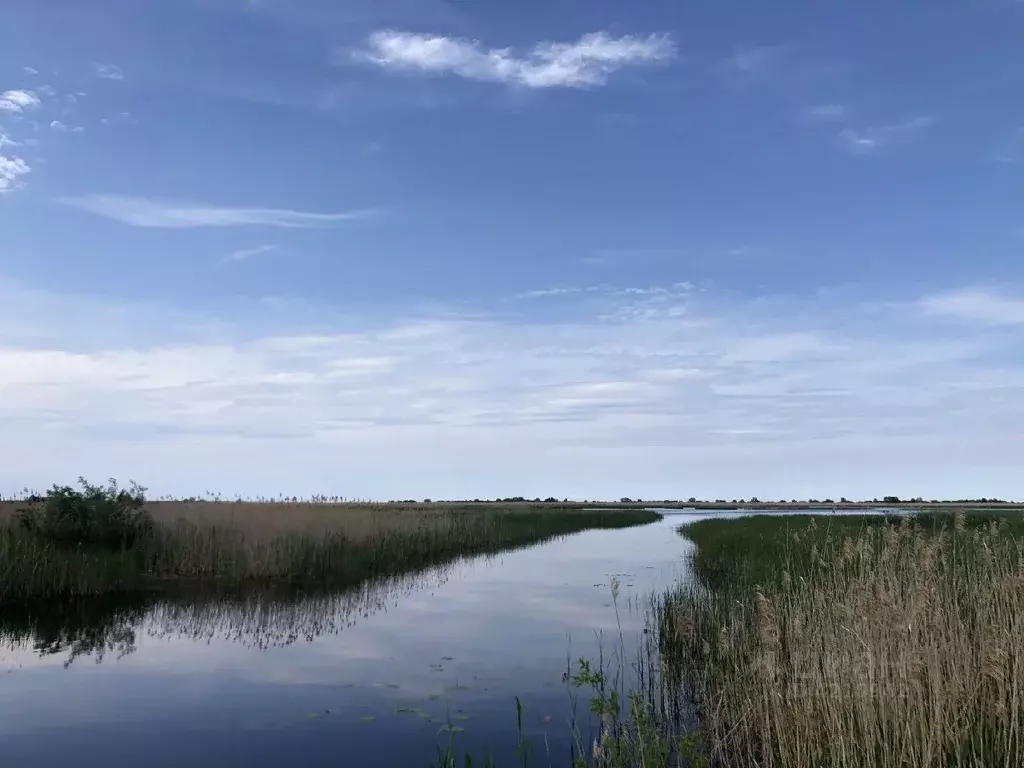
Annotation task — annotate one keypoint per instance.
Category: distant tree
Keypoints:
(692, 500)
(843, 500)
(891, 499)
(754, 500)
(427, 501)
(625, 500)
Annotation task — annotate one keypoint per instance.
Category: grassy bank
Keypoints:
(234, 547)
(853, 641)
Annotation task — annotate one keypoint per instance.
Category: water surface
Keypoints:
(368, 678)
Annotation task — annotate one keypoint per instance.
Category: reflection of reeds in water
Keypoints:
(264, 620)
(106, 624)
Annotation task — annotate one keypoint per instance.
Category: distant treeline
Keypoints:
(209, 496)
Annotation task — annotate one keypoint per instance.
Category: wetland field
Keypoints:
(318, 633)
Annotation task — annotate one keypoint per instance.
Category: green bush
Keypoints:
(110, 517)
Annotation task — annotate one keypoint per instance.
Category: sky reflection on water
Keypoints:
(320, 681)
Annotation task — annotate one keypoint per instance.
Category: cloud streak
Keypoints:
(586, 63)
(244, 254)
(624, 393)
(872, 139)
(145, 212)
(975, 306)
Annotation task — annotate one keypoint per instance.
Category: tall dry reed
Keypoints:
(205, 546)
(899, 645)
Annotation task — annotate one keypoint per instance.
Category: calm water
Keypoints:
(325, 681)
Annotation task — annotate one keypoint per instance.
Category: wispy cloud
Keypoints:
(872, 139)
(145, 212)
(975, 305)
(108, 71)
(7, 141)
(1011, 149)
(609, 257)
(826, 113)
(11, 171)
(585, 63)
(30, 70)
(18, 101)
(243, 254)
(543, 293)
(587, 401)
(754, 61)
(57, 125)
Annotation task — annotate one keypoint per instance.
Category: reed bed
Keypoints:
(852, 642)
(233, 547)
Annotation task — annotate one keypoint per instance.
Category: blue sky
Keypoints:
(446, 248)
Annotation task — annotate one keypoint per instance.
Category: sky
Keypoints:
(462, 248)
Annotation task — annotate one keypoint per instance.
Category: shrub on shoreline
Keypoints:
(110, 517)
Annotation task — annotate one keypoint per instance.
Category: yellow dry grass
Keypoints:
(354, 521)
(897, 647)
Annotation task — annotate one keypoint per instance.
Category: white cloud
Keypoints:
(584, 63)
(57, 125)
(30, 70)
(975, 306)
(11, 171)
(108, 71)
(826, 113)
(871, 139)
(243, 254)
(18, 101)
(7, 141)
(800, 396)
(144, 212)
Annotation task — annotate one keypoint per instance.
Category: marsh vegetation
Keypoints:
(852, 641)
(97, 540)
(809, 641)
